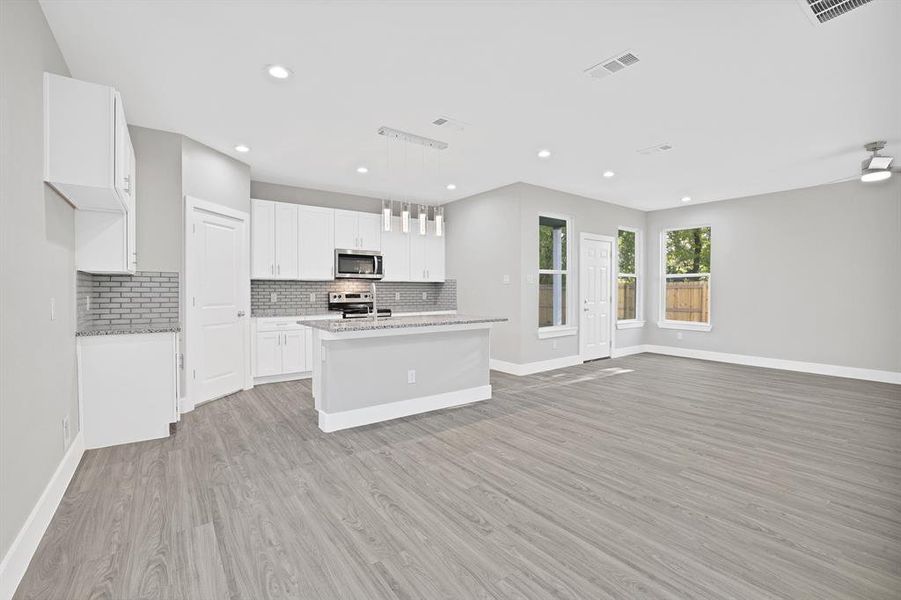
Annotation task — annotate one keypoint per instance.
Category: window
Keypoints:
(686, 278)
(553, 265)
(628, 298)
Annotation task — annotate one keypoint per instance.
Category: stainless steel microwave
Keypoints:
(358, 264)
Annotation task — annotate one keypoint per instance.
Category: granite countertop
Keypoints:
(290, 312)
(127, 329)
(367, 324)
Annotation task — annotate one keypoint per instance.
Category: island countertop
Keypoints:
(369, 324)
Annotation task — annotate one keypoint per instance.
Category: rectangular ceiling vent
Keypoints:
(449, 123)
(656, 148)
(820, 11)
(614, 64)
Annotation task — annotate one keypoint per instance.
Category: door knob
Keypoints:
(240, 313)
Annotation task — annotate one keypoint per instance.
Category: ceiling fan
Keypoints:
(876, 167)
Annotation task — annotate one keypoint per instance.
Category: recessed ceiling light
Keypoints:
(544, 153)
(609, 174)
(362, 170)
(451, 186)
(278, 71)
(242, 148)
(686, 198)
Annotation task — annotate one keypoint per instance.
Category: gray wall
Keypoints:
(209, 175)
(38, 257)
(296, 195)
(811, 275)
(495, 234)
(160, 210)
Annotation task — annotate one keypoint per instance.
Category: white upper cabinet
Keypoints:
(262, 239)
(86, 144)
(286, 241)
(317, 242)
(426, 255)
(396, 253)
(357, 230)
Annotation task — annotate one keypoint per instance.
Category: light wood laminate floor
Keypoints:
(641, 477)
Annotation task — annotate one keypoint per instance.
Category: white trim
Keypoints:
(534, 367)
(629, 324)
(188, 402)
(329, 422)
(19, 555)
(282, 378)
(628, 351)
(555, 332)
(685, 325)
(770, 363)
(662, 321)
(568, 271)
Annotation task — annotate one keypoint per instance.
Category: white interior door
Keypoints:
(218, 280)
(595, 269)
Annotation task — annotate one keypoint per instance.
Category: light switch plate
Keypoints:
(53, 309)
(506, 279)
(411, 376)
(530, 278)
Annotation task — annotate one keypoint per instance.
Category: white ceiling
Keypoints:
(752, 96)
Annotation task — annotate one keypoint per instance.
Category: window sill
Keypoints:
(554, 332)
(684, 325)
(630, 324)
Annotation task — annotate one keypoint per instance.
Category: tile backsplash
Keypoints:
(147, 297)
(293, 297)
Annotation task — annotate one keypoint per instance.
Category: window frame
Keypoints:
(662, 321)
(638, 321)
(568, 328)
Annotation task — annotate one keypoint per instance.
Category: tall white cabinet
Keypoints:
(317, 243)
(89, 159)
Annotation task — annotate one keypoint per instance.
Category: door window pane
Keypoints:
(688, 299)
(551, 300)
(627, 298)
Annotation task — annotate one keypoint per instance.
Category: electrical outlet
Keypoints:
(396, 296)
(66, 435)
(273, 297)
(425, 295)
(53, 309)
(506, 279)
(312, 297)
(411, 376)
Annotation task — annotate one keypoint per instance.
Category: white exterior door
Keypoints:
(263, 239)
(317, 242)
(595, 269)
(286, 256)
(218, 302)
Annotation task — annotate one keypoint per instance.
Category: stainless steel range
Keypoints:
(354, 305)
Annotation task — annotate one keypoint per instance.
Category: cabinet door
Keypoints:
(132, 240)
(369, 231)
(121, 170)
(308, 346)
(262, 242)
(418, 258)
(316, 246)
(396, 253)
(286, 255)
(434, 255)
(346, 230)
(268, 354)
(294, 351)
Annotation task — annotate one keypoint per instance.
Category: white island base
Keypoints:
(373, 371)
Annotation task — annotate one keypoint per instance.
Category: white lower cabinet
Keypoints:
(282, 350)
(127, 387)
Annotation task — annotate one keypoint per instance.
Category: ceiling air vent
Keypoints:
(614, 64)
(820, 11)
(449, 123)
(655, 148)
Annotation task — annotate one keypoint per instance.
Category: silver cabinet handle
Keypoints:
(278, 270)
(272, 269)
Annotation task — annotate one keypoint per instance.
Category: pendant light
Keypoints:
(439, 221)
(386, 215)
(423, 219)
(405, 217)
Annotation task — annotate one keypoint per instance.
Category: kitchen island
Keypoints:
(371, 370)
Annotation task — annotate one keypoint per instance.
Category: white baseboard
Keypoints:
(282, 378)
(329, 422)
(534, 367)
(776, 363)
(16, 561)
(628, 351)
